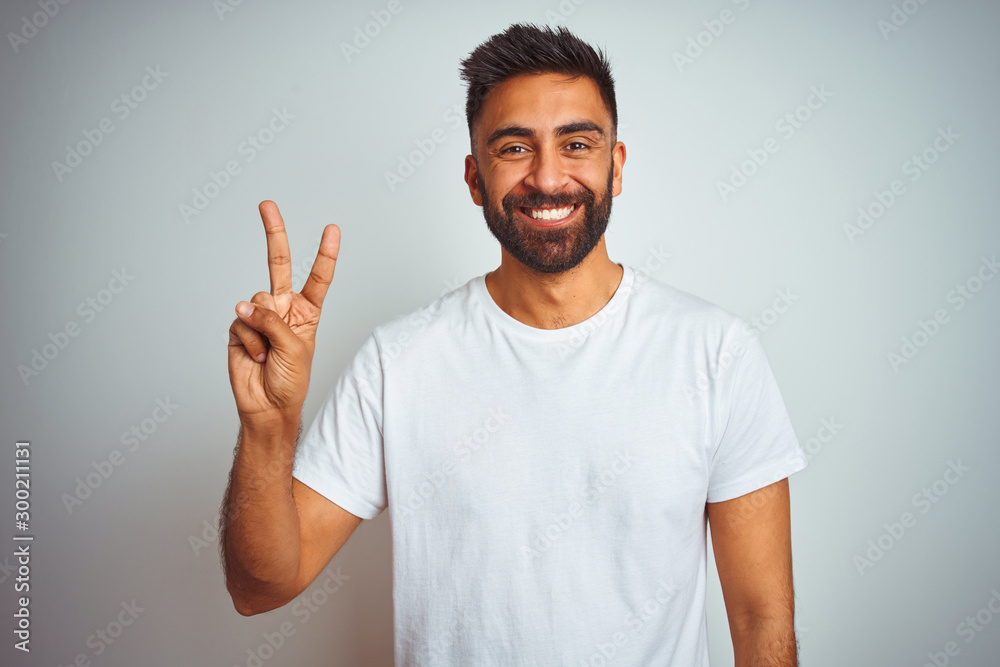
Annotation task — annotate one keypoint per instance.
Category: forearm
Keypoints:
(259, 526)
(765, 642)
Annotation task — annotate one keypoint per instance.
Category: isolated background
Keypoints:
(144, 533)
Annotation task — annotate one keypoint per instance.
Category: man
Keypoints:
(549, 438)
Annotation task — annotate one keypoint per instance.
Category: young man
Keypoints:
(549, 439)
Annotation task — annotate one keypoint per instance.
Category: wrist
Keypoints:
(276, 423)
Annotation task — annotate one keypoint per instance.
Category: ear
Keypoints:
(471, 171)
(618, 157)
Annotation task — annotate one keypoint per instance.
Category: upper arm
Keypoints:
(324, 527)
(751, 538)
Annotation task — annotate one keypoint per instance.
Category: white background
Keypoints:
(686, 126)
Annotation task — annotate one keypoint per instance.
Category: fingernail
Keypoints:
(244, 309)
(261, 357)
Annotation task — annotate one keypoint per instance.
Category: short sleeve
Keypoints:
(341, 455)
(758, 445)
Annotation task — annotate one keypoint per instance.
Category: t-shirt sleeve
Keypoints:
(758, 445)
(341, 455)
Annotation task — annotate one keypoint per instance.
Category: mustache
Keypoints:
(542, 200)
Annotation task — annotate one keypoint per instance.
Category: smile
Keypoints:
(548, 217)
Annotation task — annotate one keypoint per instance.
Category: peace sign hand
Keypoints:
(272, 341)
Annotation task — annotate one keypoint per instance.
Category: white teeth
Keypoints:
(551, 214)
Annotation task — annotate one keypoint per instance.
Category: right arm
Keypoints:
(276, 533)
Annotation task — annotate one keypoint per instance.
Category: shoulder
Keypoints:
(445, 312)
(683, 313)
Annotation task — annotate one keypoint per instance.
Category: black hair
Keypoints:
(524, 48)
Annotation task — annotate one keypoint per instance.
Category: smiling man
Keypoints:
(557, 165)
(550, 440)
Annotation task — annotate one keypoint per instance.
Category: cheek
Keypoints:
(498, 185)
(503, 177)
(590, 174)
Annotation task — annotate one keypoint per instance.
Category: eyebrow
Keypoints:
(562, 130)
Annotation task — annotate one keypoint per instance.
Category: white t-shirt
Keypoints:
(547, 487)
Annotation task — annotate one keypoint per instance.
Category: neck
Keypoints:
(555, 300)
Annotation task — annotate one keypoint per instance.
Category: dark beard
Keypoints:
(548, 250)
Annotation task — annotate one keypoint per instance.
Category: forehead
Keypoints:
(542, 101)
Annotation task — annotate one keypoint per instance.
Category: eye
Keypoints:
(510, 150)
(580, 144)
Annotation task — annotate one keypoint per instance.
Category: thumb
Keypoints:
(269, 324)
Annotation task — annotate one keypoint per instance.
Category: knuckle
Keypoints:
(244, 332)
(239, 330)
(319, 278)
(264, 315)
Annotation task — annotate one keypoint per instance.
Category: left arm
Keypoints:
(751, 538)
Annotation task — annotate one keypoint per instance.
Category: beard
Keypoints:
(553, 249)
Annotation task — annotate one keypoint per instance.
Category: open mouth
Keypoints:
(548, 217)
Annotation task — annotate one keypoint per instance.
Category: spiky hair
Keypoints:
(524, 48)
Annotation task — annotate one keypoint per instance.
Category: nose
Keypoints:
(547, 173)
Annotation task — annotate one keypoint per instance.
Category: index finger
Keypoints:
(321, 275)
(279, 258)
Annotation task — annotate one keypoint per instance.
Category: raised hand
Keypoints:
(272, 341)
